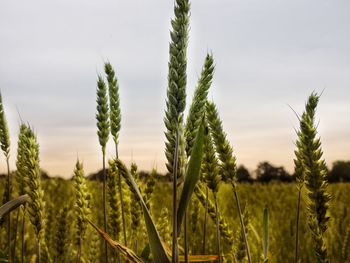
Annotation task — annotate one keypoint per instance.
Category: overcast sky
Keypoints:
(269, 54)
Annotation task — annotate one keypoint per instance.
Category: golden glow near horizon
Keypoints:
(144, 143)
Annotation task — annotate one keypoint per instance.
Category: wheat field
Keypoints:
(199, 212)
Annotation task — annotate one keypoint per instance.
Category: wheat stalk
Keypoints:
(177, 78)
(81, 206)
(227, 159)
(211, 175)
(5, 147)
(314, 168)
(21, 175)
(225, 232)
(114, 202)
(176, 102)
(135, 209)
(115, 122)
(240, 248)
(103, 134)
(36, 194)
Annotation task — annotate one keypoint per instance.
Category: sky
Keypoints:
(270, 55)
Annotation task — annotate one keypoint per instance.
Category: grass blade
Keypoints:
(200, 258)
(127, 253)
(157, 249)
(12, 205)
(192, 176)
(266, 234)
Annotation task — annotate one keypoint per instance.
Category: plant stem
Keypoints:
(186, 237)
(79, 251)
(121, 202)
(9, 216)
(22, 233)
(297, 229)
(174, 243)
(104, 203)
(242, 223)
(217, 227)
(39, 252)
(121, 198)
(205, 220)
(15, 238)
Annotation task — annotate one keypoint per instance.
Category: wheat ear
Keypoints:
(315, 170)
(81, 206)
(176, 102)
(21, 175)
(102, 117)
(115, 122)
(197, 107)
(35, 192)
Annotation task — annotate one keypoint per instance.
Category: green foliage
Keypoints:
(135, 208)
(240, 250)
(266, 238)
(225, 232)
(158, 251)
(192, 175)
(12, 205)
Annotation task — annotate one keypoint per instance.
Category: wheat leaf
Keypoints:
(127, 253)
(157, 249)
(12, 205)
(192, 175)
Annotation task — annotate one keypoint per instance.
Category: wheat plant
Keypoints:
(81, 206)
(315, 172)
(5, 147)
(102, 117)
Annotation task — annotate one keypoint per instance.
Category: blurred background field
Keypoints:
(280, 198)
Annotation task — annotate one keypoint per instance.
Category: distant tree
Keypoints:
(243, 174)
(266, 173)
(340, 172)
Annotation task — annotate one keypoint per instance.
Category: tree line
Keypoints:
(266, 172)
